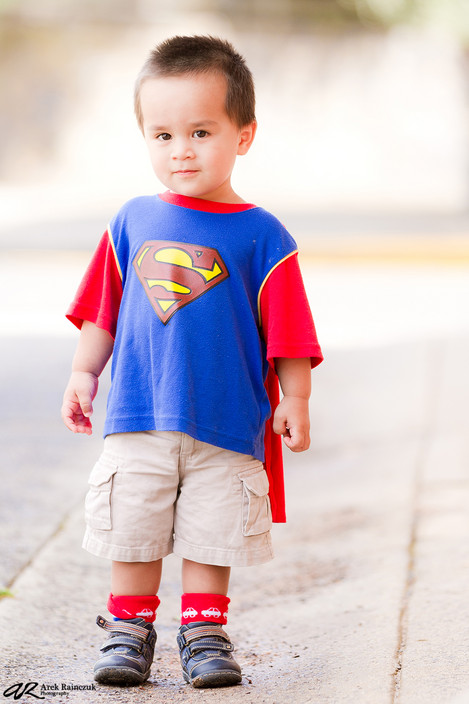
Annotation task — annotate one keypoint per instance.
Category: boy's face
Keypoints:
(192, 142)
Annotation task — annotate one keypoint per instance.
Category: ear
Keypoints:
(246, 137)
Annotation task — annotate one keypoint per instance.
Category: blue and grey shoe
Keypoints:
(127, 655)
(206, 658)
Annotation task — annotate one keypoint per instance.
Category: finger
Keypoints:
(83, 425)
(68, 416)
(279, 426)
(297, 441)
(79, 425)
(86, 404)
(74, 419)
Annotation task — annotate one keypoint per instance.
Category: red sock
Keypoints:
(133, 606)
(204, 607)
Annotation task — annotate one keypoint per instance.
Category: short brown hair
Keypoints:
(202, 54)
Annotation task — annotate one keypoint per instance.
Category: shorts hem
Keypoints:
(224, 557)
(125, 554)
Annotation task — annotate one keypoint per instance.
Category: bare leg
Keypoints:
(204, 579)
(136, 578)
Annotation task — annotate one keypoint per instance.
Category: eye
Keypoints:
(163, 137)
(200, 134)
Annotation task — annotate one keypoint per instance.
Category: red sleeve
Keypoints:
(289, 331)
(99, 294)
(286, 319)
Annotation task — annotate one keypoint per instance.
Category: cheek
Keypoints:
(157, 158)
(221, 160)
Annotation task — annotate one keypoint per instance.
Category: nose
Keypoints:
(182, 149)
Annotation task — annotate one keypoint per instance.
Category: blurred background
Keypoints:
(362, 104)
(362, 148)
(362, 151)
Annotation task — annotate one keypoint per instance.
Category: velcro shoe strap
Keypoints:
(130, 629)
(205, 632)
(208, 644)
(122, 641)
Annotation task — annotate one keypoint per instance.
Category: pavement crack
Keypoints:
(402, 628)
(434, 367)
(9, 585)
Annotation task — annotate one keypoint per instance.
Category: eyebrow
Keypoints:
(193, 125)
(204, 122)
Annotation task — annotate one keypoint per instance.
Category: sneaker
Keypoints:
(206, 658)
(127, 654)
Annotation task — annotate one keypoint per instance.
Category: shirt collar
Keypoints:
(207, 206)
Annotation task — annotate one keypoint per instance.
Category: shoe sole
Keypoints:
(222, 678)
(123, 676)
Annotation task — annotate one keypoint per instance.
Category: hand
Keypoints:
(77, 406)
(291, 419)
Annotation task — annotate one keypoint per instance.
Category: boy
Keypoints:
(198, 296)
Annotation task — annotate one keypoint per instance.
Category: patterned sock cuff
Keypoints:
(204, 607)
(133, 606)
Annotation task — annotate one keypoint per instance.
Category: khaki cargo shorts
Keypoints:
(160, 492)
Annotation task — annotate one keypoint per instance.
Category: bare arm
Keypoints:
(291, 418)
(94, 349)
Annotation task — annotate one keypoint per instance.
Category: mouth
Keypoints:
(185, 172)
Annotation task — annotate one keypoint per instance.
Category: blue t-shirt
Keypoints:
(188, 354)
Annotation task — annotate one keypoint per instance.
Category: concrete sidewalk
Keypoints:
(366, 601)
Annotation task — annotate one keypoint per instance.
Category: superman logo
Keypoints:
(173, 274)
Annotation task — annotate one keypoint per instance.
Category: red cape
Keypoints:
(273, 453)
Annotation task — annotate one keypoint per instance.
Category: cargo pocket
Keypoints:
(98, 498)
(257, 514)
